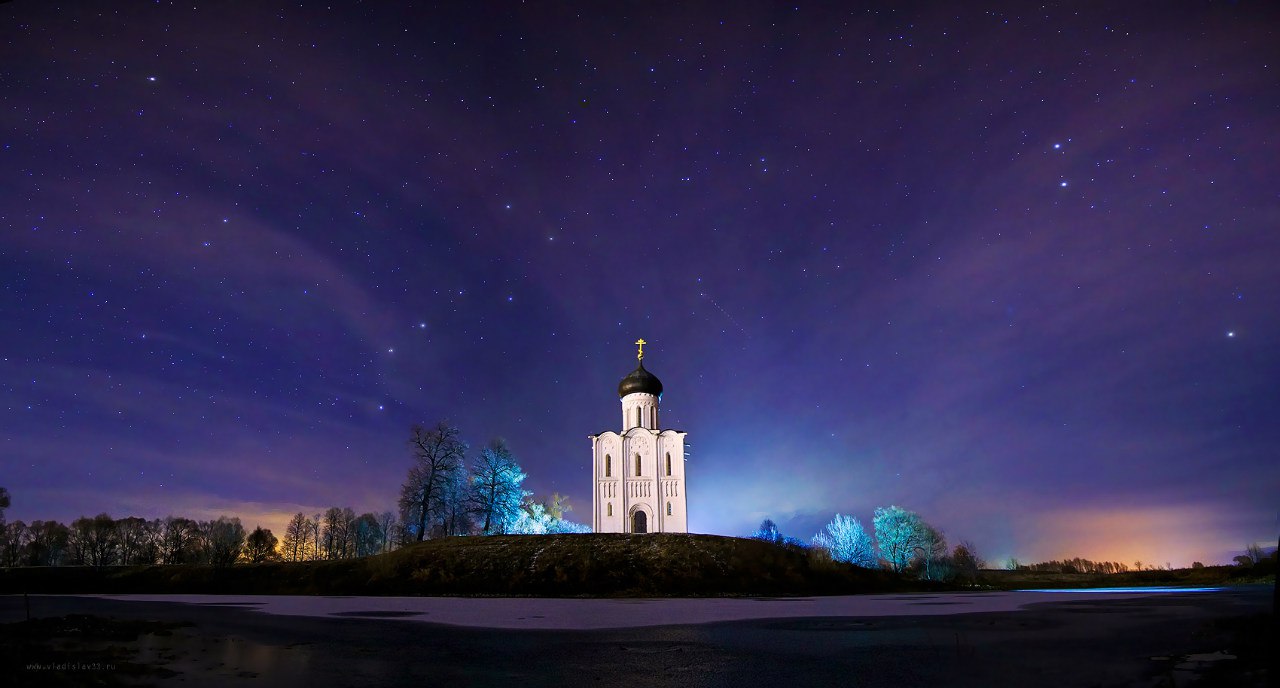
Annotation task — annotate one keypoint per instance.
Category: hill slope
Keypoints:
(515, 565)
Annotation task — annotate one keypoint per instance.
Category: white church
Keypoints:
(638, 473)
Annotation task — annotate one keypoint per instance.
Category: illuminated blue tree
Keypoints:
(496, 494)
(846, 540)
(899, 533)
(768, 531)
(538, 518)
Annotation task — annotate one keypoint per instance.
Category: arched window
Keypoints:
(668, 508)
(637, 464)
(608, 465)
(668, 463)
(653, 417)
(637, 415)
(609, 509)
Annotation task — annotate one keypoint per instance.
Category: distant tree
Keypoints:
(260, 546)
(966, 561)
(1243, 560)
(496, 492)
(180, 541)
(4, 503)
(15, 537)
(48, 546)
(224, 539)
(898, 533)
(314, 522)
(438, 455)
(767, 531)
(846, 540)
(367, 534)
(387, 525)
(93, 540)
(535, 518)
(337, 537)
(1197, 565)
(297, 538)
(558, 506)
(930, 555)
(532, 519)
(456, 511)
(1255, 553)
(1137, 565)
(133, 538)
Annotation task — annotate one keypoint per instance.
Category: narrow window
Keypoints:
(668, 508)
(637, 464)
(668, 463)
(608, 465)
(653, 417)
(609, 508)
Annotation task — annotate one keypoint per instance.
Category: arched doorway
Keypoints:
(639, 522)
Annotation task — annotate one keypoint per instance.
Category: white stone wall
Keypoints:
(639, 410)
(619, 492)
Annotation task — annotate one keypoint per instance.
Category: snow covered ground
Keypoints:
(589, 614)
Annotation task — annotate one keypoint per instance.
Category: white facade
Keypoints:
(638, 473)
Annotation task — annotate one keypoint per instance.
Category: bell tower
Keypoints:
(638, 473)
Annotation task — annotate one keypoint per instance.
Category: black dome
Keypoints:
(640, 380)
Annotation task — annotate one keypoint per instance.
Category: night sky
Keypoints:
(1014, 268)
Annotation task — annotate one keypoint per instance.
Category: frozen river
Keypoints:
(594, 614)
(1134, 637)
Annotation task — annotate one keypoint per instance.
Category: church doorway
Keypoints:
(639, 522)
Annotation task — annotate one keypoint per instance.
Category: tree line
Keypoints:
(442, 495)
(903, 543)
(104, 541)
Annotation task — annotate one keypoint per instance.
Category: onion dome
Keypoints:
(640, 380)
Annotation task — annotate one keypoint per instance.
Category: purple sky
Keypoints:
(1014, 269)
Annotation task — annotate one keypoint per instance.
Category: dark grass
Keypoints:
(570, 565)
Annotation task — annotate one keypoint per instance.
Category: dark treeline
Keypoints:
(1077, 565)
(105, 541)
(442, 496)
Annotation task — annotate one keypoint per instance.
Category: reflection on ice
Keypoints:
(1154, 588)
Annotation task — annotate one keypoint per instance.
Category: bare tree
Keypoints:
(1255, 553)
(297, 538)
(438, 454)
(132, 538)
(14, 539)
(48, 545)
(368, 535)
(94, 540)
(224, 539)
(931, 552)
(180, 541)
(966, 560)
(339, 533)
(260, 546)
(387, 524)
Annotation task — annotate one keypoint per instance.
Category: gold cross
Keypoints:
(640, 353)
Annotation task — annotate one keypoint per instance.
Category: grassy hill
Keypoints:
(515, 565)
